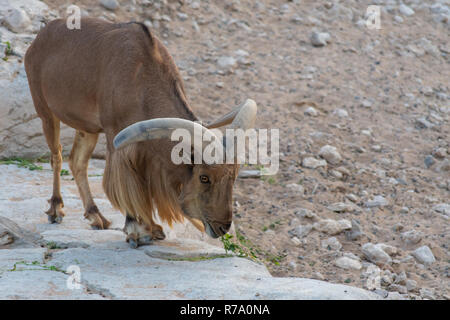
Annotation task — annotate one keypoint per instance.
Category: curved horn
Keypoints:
(231, 116)
(245, 118)
(159, 128)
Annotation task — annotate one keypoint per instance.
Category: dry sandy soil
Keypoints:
(392, 129)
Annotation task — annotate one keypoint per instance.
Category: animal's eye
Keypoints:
(204, 179)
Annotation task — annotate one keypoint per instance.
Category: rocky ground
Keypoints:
(362, 194)
(39, 260)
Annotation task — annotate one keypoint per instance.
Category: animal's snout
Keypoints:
(224, 228)
(216, 230)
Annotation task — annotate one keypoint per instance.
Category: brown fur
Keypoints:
(104, 78)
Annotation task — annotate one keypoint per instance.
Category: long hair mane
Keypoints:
(139, 185)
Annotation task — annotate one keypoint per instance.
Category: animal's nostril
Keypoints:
(224, 229)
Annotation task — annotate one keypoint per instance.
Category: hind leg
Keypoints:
(82, 149)
(139, 234)
(51, 125)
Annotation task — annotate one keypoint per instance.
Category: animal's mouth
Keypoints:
(210, 231)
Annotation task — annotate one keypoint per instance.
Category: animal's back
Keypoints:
(70, 71)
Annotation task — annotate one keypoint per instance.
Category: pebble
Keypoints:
(311, 111)
(313, 163)
(366, 103)
(226, 62)
(429, 161)
(398, 19)
(411, 237)
(440, 153)
(331, 244)
(411, 284)
(110, 4)
(341, 113)
(405, 10)
(305, 213)
(332, 227)
(377, 201)
(427, 293)
(355, 232)
(348, 263)
(330, 154)
(423, 123)
(424, 255)
(374, 253)
(442, 208)
(17, 20)
(301, 230)
(320, 39)
(398, 288)
(296, 187)
(400, 278)
(341, 207)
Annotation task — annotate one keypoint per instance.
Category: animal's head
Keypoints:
(204, 190)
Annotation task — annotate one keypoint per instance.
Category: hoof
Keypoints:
(143, 241)
(55, 219)
(98, 221)
(158, 234)
(133, 244)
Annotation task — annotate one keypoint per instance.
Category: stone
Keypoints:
(17, 20)
(398, 19)
(341, 207)
(377, 201)
(375, 254)
(296, 187)
(423, 123)
(443, 208)
(13, 236)
(440, 153)
(306, 213)
(355, 232)
(330, 154)
(398, 288)
(400, 278)
(405, 10)
(427, 293)
(226, 63)
(424, 255)
(390, 250)
(311, 111)
(411, 237)
(320, 39)
(301, 230)
(332, 227)
(313, 163)
(110, 4)
(348, 263)
(429, 161)
(341, 113)
(411, 285)
(331, 244)
(443, 166)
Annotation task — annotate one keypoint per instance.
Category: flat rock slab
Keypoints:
(13, 236)
(187, 265)
(132, 274)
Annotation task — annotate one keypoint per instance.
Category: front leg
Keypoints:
(140, 234)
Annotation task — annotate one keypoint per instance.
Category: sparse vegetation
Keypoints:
(37, 266)
(21, 163)
(8, 50)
